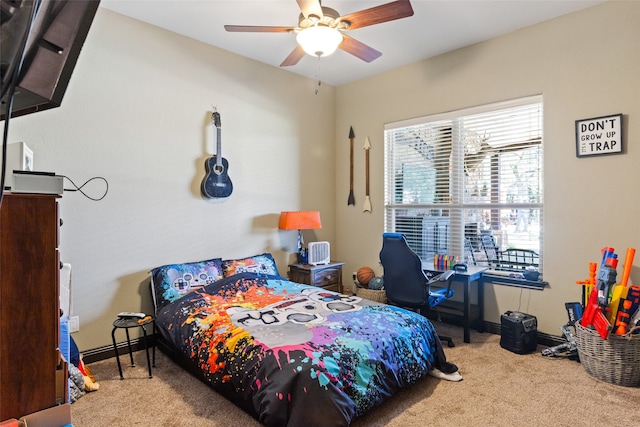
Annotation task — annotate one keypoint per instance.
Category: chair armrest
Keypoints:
(440, 279)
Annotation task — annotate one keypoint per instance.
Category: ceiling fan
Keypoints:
(320, 29)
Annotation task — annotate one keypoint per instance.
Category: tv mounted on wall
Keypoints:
(44, 37)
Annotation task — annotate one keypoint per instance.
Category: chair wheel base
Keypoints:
(448, 340)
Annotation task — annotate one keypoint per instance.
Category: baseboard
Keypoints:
(137, 344)
(106, 352)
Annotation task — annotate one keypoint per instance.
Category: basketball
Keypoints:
(364, 275)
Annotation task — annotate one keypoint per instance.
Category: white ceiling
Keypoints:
(437, 26)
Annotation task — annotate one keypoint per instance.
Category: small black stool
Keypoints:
(134, 322)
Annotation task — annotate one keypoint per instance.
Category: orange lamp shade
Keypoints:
(307, 220)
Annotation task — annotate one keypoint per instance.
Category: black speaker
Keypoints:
(518, 332)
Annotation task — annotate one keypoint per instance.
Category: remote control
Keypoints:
(132, 314)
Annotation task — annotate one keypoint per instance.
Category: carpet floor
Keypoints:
(500, 388)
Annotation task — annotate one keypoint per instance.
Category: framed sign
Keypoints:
(599, 136)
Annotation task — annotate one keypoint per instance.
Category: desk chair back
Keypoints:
(405, 283)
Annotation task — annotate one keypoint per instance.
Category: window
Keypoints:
(469, 184)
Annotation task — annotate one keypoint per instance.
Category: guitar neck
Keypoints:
(219, 147)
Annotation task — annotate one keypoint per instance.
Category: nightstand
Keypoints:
(326, 276)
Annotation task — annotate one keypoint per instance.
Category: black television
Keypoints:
(45, 37)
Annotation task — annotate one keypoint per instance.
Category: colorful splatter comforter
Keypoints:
(292, 354)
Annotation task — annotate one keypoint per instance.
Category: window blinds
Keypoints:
(456, 175)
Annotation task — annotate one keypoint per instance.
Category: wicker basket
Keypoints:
(371, 294)
(615, 360)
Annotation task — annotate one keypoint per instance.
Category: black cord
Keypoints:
(95, 199)
(520, 300)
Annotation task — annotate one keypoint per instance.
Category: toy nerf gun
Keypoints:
(628, 306)
(607, 276)
(599, 300)
(574, 311)
(593, 316)
(587, 285)
(606, 279)
(570, 348)
(620, 291)
(634, 323)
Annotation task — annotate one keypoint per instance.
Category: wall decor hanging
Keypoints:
(599, 136)
(367, 200)
(351, 200)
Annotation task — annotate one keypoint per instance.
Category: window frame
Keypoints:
(456, 206)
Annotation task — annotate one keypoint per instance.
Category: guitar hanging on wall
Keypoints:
(216, 183)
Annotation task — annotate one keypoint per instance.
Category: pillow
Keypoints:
(171, 282)
(264, 264)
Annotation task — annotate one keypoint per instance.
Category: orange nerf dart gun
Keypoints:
(620, 290)
(628, 261)
(587, 284)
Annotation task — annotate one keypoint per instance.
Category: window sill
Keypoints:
(500, 279)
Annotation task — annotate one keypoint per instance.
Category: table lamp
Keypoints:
(308, 220)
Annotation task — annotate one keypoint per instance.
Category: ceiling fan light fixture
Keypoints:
(319, 40)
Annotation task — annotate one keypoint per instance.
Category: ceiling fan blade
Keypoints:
(256, 29)
(359, 49)
(310, 7)
(376, 15)
(294, 57)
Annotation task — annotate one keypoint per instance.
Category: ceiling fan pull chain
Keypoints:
(318, 77)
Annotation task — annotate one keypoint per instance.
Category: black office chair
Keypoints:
(406, 284)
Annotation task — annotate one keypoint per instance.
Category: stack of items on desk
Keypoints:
(610, 307)
(445, 262)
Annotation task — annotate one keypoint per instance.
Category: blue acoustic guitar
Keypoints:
(216, 183)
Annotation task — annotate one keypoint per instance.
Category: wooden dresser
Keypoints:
(29, 304)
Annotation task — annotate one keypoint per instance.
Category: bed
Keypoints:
(287, 353)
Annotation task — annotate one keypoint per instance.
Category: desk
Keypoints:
(473, 274)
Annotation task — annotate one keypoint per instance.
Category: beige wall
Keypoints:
(585, 65)
(137, 112)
